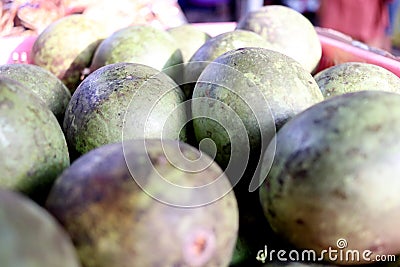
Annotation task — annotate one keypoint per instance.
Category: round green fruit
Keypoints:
(66, 47)
(33, 149)
(189, 38)
(335, 177)
(215, 47)
(356, 76)
(124, 101)
(119, 210)
(143, 44)
(244, 95)
(30, 236)
(287, 31)
(42, 83)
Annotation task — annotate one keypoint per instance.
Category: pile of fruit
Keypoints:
(169, 147)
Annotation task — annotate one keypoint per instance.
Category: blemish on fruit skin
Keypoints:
(199, 247)
(7, 104)
(300, 174)
(354, 152)
(339, 194)
(374, 128)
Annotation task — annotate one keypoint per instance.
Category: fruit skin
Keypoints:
(189, 39)
(336, 174)
(143, 44)
(66, 48)
(288, 31)
(33, 149)
(114, 222)
(116, 102)
(249, 80)
(30, 236)
(42, 83)
(356, 76)
(215, 47)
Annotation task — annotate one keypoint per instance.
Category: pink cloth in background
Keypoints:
(364, 20)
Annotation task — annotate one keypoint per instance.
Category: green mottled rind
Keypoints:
(42, 83)
(33, 149)
(66, 48)
(123, 91)
(217, 46)
(113, 222)
(286, 86)
(336, 175)
(189, 38)
(30, 236)
(356, 76)
(288, 31)
(142, 44)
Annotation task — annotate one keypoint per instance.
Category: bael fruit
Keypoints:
(255, 87)
(143, 44)
(42, 83)
(30, 236)
(66, 47)
(356, 76)
(215, 47)
(127, 100)
(115, 221)
(189, 39)
(287, 31)
(33, 149)
(335, 176)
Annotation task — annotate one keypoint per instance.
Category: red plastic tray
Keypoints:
(339, 48)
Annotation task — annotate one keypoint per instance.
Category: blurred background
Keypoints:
(374, 22)
(232, 10)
